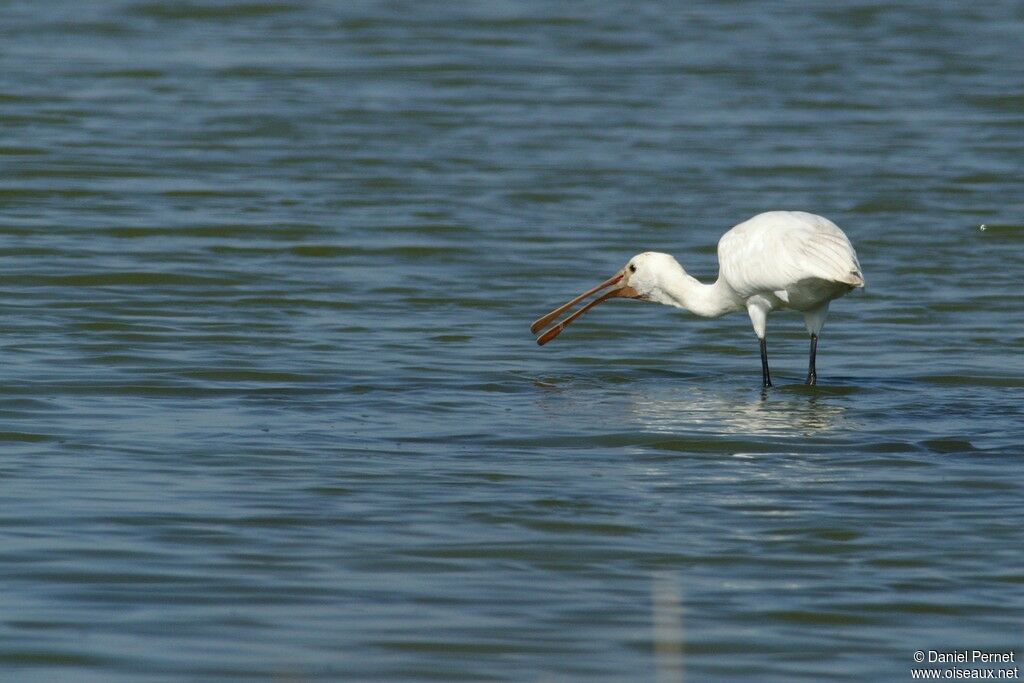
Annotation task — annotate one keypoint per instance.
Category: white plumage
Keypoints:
(778, 259)
(786, 253)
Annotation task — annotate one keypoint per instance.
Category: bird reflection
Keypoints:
(741, 412)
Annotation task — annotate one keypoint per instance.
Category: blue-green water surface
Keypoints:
(270, 409)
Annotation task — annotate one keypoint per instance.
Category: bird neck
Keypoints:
(707, 301)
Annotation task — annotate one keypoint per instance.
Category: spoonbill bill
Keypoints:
(775, 260)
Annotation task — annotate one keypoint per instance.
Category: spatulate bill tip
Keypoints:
(549, 335)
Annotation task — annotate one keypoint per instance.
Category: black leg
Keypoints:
(812, 374)
(765, 376)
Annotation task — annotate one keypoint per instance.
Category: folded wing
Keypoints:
(776, 251)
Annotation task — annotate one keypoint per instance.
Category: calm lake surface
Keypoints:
(271, 410)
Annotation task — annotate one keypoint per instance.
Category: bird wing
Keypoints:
(774, 251)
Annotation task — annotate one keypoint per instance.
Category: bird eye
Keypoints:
(632, 267)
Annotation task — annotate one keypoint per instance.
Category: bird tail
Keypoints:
(854, 279)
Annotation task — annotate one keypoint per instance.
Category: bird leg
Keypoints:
(812, 374)
(765, 376)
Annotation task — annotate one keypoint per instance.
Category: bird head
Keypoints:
(645, 274)
(640, 278)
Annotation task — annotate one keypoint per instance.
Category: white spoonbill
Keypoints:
(778, 259)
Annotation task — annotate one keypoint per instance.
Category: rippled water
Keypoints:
(271, 410)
